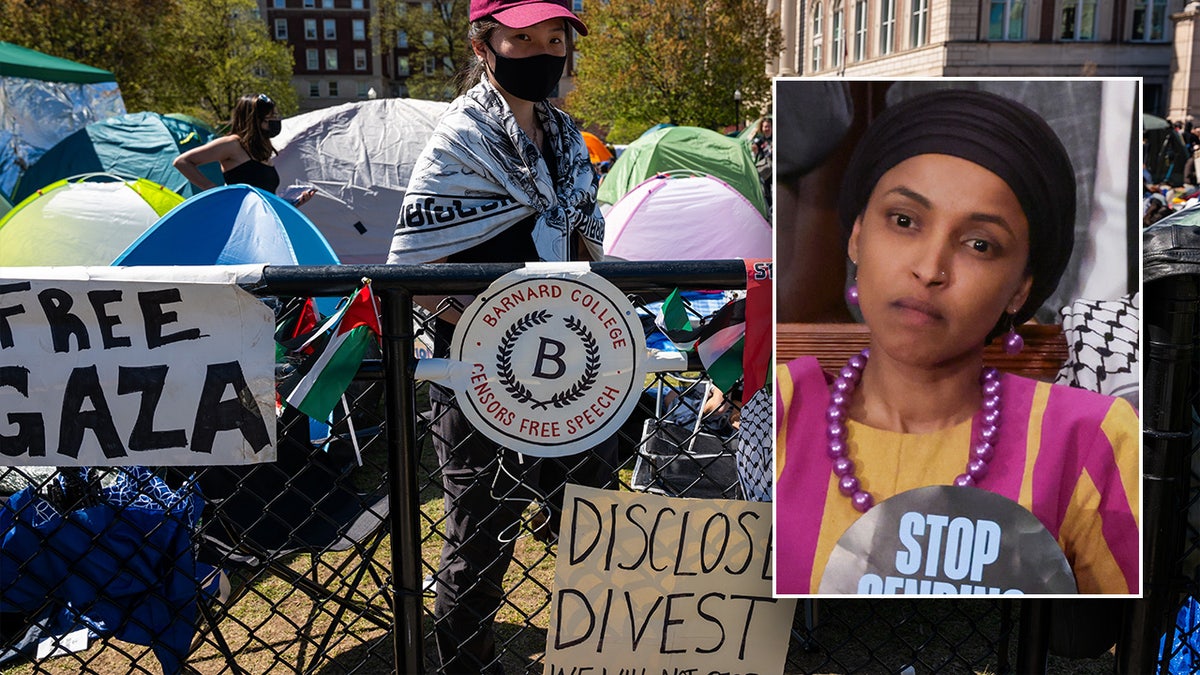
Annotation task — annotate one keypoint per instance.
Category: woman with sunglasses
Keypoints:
(245, 154)
(959, 211)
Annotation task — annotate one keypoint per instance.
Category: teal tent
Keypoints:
(684, 150)
(138, 145)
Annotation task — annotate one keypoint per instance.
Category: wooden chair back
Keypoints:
(833, 343)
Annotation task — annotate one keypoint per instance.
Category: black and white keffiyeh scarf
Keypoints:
(480, 173)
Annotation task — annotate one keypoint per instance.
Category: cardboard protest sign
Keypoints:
(947, 540)
(554, 358)
(121, 371)
(651, 585)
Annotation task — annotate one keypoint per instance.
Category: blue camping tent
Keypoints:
(231, 225)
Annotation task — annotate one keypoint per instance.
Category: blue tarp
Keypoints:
(121, 564)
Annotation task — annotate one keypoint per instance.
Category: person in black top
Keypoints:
(245, 154)
(506, 177)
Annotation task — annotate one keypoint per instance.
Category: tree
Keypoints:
(436, 33)
(193, 56)
(119, 36)
(676, 61)
(219, 51)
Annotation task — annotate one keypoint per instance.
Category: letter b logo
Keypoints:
(550, 350)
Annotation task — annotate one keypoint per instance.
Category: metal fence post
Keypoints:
(403, 460)
(1170, 318)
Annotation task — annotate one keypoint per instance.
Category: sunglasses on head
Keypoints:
(263, 98)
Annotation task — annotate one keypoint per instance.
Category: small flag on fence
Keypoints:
(721, 343)
(357, 324)
(298, 320)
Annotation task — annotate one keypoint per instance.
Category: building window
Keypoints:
(887, 26)
(310, 29)
(330, 59)
(860, 30)
(402, 69)
(402, 39)
(330, 29)
(577, 6)
(430, 65)
(1078, 20)
(314, 90)
(362, 88)
(333, 88)
(427, 38)
(817, 39)
(356, 4)
(448, 66)
(918, 23)
(839, 35)
(280, 29)
(279, 4)
(312, 58)
(327, 4)
(309, 4)
(1149, 20)
(360, 59)
(1007, 20)
(358, 29)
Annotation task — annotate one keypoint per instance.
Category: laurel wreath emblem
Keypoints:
(518, 390)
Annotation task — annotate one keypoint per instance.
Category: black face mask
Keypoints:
(273, 128)
(532, 78)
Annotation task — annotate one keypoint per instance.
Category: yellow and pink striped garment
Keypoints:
(1068, 455)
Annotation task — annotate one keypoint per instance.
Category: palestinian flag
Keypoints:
(297, 322)
(335, 367)
(721, 344)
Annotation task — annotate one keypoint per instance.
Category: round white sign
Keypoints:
(556, 361)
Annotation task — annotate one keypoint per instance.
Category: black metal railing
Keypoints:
(332, 559)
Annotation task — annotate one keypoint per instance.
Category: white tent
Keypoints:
(359, 157)
(685, 218)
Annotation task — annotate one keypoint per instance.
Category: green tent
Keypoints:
(5, 207)
(684, 150)
(18, 61)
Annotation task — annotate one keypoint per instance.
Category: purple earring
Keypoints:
(1013, 343)
(852, 295)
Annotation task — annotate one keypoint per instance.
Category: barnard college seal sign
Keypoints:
(555, 358)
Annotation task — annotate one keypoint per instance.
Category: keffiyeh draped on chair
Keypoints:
(480, 174)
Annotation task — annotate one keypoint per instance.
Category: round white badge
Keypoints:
(556, 361)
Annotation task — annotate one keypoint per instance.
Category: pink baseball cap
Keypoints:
(525, 13)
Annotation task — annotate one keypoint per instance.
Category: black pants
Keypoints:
(486, 491)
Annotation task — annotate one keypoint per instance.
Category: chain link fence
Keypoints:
(397, 540)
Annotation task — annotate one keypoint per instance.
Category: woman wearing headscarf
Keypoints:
(959, 207)
(505, 177)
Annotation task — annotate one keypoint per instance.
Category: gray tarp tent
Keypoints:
(359, 156)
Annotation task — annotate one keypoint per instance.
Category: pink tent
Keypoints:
(685, 218)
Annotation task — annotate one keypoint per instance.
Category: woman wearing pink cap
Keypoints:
(506, 177)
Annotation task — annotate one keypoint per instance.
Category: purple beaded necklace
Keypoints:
(982, 450)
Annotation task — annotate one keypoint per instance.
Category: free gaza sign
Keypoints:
(124, 370)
